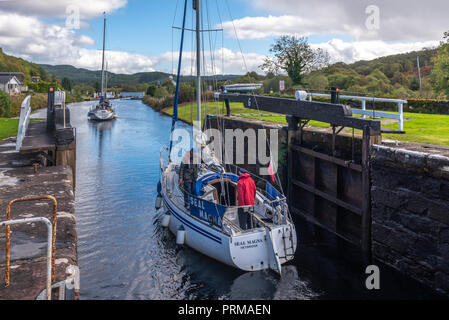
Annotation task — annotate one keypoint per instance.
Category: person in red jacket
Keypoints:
(246, 189)
(246, 195)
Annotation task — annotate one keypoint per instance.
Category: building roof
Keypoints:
(5, 79)
(19, 75)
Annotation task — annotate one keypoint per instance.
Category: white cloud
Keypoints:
(37, 41)
(400, 20)
(34, 40)
(225, 60)
(263, 27)
(58, 9)
(349, 52)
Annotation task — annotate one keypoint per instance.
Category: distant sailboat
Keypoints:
(103, 111)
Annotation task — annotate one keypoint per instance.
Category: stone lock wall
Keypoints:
(409, 195)
(410, 213)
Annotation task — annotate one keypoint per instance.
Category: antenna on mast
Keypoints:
(102, 62)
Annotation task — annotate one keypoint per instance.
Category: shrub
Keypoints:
(151, 91)
(5, 105)
(161, 93)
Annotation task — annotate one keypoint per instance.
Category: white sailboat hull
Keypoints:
(252, 250)
(102, 115)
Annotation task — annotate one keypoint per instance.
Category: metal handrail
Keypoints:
(25, 112)
(364, 112)
(50, 256)
(8, 231)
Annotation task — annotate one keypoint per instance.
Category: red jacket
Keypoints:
(246, 190)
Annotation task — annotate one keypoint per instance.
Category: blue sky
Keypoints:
(140, 39)
(145, 26)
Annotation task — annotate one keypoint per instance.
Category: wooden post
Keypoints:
(228, 108)
(366, 192)
(292, 129)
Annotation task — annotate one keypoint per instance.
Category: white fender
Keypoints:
(180, 236)
(158, 203)
(166, 220)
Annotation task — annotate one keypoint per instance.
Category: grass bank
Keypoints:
(420, 128)
(9, 127)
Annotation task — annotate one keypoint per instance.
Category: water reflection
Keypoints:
(101, 132)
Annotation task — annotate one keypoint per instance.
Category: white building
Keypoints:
(10, 84)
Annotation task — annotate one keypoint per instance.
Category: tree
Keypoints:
(151, 91)
(319, 82)
(440, 73)
(67, 84)
(168, 84)
(294, 56)
(273, 84)
(97, 87)
(414, 84)
(5, 105)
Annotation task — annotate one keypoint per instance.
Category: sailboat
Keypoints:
(210, 222)
(103, 111)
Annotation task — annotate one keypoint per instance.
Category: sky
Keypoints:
(140, 36)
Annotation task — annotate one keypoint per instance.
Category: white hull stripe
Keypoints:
(192, 226)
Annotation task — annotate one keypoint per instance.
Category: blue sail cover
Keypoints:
(204, 180)
(273, 193)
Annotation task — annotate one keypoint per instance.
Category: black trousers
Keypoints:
(244, 219)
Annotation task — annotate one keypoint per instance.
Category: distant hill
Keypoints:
(29, 69)
(395, 75)
(405, 63)
(79, 75)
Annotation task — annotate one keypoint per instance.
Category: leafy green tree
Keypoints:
(5, 104)
(186, 93)
(151, 90)
(440, 73)
(319, 82)
(160, 93)
(273, 84)
(414, 84)
(168, 84)
(67, 84)
(294, 56)
(97, 87)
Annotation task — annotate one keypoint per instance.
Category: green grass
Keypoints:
(421, 128)
(8, 127)
(425, 128)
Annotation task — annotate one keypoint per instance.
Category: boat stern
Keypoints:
(266, 248)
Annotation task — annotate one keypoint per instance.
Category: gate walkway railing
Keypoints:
(47, 222)
(51, 238)
(25, 112)
(372, 113)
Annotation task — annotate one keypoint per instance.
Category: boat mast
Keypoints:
(102, 62)
(178, 79)
(197, 5)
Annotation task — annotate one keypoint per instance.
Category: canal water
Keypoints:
(124, 253)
